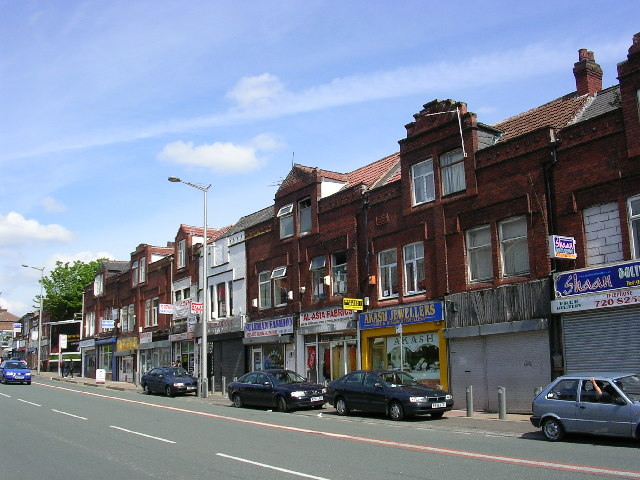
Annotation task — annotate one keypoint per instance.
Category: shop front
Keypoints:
(126, 353)
(269, 344)
(88, 356)
(600, 315)
(227, 352)
(407, 338)
(153, 353)
(105, 358)
(327, 344)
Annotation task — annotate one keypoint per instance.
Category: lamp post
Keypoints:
(40, 315)
(204, 380)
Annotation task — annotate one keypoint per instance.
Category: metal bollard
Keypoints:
(224, 386)
(470, 401)
(213, 384)
(502, 403)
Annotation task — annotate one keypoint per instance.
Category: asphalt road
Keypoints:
(53, 430)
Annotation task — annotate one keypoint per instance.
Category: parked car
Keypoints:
(594, 403)
(169, 380)
(392, 392)
(280, 389)
(15, 371)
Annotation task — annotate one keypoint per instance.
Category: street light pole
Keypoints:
(204, 380)
(40, 315)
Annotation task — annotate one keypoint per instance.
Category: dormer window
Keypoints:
(285, 214)
(452, 172)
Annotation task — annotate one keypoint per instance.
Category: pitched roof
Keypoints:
(604, 101)
(557, 114)
(376, 173)
(212, 233)
(250, 220)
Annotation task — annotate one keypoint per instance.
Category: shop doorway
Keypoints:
(329, 360)
(126, 369)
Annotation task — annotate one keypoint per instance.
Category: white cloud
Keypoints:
(50, 204)
(256, 91)
(84, 256)
(224, 157)
(17, 230)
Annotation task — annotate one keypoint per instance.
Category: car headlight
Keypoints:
(297, 394)
(417, 399)
(9, 374)
(178, 384)
(324, 390)
(449, 397)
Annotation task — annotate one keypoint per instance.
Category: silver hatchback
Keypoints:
(595, 403)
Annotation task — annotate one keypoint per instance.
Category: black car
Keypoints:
(169, 380)
(280, 389)
(394, 393)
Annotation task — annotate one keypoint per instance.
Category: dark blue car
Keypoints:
(15, 371)
(169, 380)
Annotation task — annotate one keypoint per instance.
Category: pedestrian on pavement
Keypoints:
(63, 368)
(70, 368)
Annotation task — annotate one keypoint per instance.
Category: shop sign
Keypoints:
(17, 327)
(177, 337)
(182, 309)
(594, 280)
(352, 304)
(618, 298)
(197, 307)
(225, 325)
(278, 326)
(88, 343)
(426, 312)
(146, 337)
(562, 247)
(127, 343)
(107, 324)
(165, 308)
(324, 316)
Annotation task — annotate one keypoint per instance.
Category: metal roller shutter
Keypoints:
(467, 364)
(601, 340)
(228, 361)
(520, 362)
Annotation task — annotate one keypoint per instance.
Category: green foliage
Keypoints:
(64, 287)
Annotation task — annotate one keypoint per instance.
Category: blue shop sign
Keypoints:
(405, 315)
(592, 280)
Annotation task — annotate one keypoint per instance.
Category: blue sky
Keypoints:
(101, 101)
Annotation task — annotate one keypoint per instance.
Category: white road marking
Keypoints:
(5, 395)
(374, 441)
(142, 434)
(30, 403)
(271, 467)
(68, 414)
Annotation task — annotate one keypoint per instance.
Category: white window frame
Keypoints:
(264, 289)
(339, 283)
(90, 324)
(134, 273)
(143, 270)
(633, 212)
(423, 188)
(318, 269)
(182, 253)
(154, 311)
(147, 313)
(508, 244)
(98, 284)
(221, 303)
(285, 214)
(388, 274)
(280, 292)
(452, 174)
(414, 268)
(304, 216)
(477, 252)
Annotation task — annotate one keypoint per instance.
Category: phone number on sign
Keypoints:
(610, 302)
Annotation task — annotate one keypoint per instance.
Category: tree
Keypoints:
(64, 288)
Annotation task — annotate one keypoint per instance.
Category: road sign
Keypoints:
(352, 304)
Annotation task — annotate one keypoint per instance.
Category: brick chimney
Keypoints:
(588, 73)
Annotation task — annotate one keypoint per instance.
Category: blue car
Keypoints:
(169, 380)
(15, 371)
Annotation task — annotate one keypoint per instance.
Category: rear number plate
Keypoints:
(316, 399)
(438, 405)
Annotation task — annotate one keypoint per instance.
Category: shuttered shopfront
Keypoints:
(602, 340)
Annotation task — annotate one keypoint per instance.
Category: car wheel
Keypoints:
(553, 430)
(341, 407)
(237, 401)
(396, 412)
(437, 414)
(28, 383)
(146, 389)
(169, 392)
(282, 404)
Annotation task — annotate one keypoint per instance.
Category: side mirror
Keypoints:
(377, 385)
(267, 384)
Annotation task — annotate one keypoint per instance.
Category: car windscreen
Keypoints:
(288, 377)
(630, 385)
(395, 379)
(15, 365)
(176, 372)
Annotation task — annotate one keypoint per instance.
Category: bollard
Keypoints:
(213, 384)
(470, 401)
(502, 403)
(224, 386)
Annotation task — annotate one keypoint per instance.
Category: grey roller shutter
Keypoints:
(467, 366)
(601, 340)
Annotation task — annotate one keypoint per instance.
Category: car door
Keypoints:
(153, 380)
(246, 389)
(609, 414)
(263, 390)
(374, 394)
(351, 389)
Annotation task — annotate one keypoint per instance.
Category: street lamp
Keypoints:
(41, 314)
(204, 380)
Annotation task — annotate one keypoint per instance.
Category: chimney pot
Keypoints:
(588, 73)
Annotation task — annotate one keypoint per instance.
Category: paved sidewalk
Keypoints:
(218, 398)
